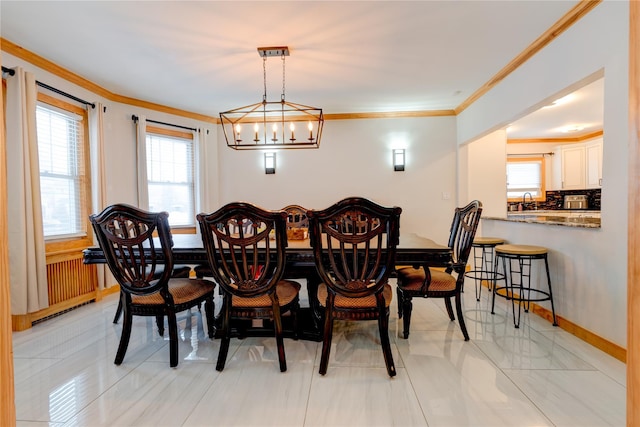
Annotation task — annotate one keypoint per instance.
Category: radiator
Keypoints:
(70, 278)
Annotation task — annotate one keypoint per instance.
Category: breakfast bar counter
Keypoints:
(584, 219)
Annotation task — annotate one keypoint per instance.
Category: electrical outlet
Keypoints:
(446, 195)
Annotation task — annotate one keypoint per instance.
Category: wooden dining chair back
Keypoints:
(137, 247)
(354, 245)
(431, 283)
(296, 216)
(248, 265)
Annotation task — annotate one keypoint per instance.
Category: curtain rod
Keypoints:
(58, 91)
(135, 119)
(531, 154)
(52, 89)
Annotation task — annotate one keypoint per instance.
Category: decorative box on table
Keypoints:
(297, 233)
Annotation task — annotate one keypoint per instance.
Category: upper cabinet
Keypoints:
(593, 152)
(581, 165)
(573, 167)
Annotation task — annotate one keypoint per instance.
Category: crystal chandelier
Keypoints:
(272, 124)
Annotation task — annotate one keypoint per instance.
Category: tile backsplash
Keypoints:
(555, 199)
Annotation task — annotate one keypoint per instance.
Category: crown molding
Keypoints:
(567, 140)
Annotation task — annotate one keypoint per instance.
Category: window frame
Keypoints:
(542, 197)
(173, 133)
(63, 244)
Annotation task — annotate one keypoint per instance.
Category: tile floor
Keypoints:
(537, 375)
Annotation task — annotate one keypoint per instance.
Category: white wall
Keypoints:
(589, 266)
(354, 159)
(486, 178)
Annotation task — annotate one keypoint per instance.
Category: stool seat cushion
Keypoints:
(521, 250)
(488, 241)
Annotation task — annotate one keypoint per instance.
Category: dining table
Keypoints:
(412, 250)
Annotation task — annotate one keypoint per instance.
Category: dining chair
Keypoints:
(142, 264)
(354, 263)
(426, 282)
(248, 265)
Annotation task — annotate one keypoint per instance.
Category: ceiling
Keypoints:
(346, 56)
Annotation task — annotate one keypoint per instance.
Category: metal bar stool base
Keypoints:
(520, 291)
(484, 256)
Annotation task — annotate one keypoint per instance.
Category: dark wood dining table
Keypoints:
(412, 250)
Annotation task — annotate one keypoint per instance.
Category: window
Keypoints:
(62, 152)
(525, 175)
(170, 175)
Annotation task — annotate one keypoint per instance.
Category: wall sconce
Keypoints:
(269, 163)
(398, 159)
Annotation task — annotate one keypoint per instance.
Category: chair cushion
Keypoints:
(346, 302)
(287, 291)
(413, 278)
(182, 290)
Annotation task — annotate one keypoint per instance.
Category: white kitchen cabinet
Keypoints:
(573, 167)
(593, 153)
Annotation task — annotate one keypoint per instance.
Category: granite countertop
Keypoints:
(533, 217)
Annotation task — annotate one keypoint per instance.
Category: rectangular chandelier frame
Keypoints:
(252, 127)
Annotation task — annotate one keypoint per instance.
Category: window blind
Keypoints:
(170, 177)
(524, 177)
(61, 160)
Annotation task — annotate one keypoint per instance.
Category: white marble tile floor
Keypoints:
(537, 375)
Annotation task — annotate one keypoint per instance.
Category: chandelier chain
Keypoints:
(282, 98)
(264, 78)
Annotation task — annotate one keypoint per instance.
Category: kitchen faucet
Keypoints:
(524, 197)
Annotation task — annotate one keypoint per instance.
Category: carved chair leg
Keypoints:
(383, 327)
(447, 303)
(461, 317)
(160, 323)
(400, 295)
(316, 309)
(328, 335)
(407, 308)
(209, 308)
(226, 333)
(118, 310)
(295, 310)
(277, 323)
(124, 337)
(173, 339)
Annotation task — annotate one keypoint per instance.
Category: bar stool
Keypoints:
(484, 256)
(520, 279)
